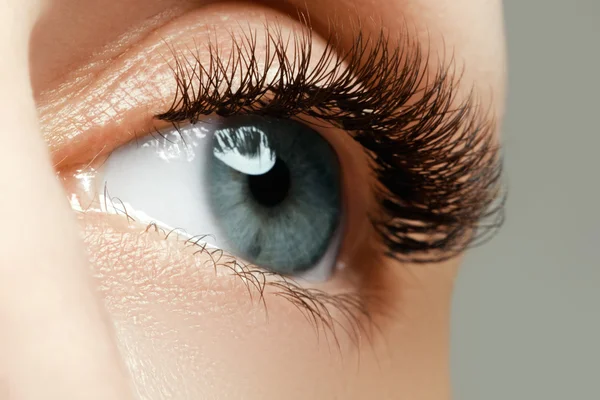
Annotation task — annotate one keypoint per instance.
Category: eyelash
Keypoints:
(330, 314)
(449, 194)
(437, 165)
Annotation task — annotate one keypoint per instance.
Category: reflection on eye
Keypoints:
(268, 189)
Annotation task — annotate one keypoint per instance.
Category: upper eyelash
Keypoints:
(437, 165)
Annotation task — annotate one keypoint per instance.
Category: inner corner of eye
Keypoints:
(268, 190)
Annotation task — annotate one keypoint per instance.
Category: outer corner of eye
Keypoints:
(269, 190)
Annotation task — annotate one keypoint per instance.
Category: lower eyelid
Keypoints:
(138, 271)
(144, 267)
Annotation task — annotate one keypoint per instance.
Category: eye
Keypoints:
(269, 190)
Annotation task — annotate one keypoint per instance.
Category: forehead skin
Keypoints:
(190, 342)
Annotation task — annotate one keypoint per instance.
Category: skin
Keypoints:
(124, 314)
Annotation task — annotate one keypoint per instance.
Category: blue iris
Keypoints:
(274, 188)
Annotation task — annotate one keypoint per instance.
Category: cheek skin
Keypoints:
(187, 330)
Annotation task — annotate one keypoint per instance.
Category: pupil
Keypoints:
(271, 188)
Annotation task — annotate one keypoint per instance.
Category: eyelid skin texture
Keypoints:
(187, 330)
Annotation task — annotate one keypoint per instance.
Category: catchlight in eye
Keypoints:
(282, 216)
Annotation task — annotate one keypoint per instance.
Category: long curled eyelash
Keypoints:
(437, 165)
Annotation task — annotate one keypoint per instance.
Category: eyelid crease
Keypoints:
(435, 157)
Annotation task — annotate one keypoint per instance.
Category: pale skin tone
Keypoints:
(125, 315)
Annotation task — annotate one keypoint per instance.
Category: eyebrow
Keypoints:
(435, 158)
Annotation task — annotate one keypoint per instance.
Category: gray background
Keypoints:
(526, 315)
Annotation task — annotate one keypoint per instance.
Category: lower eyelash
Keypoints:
(350, 314)
(330, 315)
